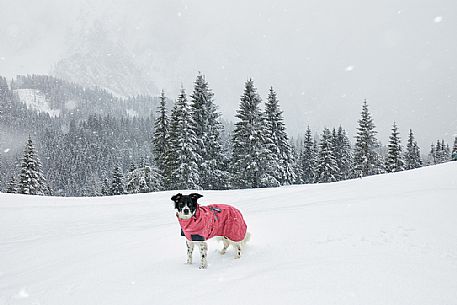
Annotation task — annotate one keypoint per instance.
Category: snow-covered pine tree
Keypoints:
(182, 158)
(412, 154)
(432, 160)
(281, 158)
(117, 183)
(133, 180)
(250, 166)
(366, 159)
(327, 168)
(454, 150)
(208, 128)
(308, 158)
(152, 181)
(31, 178)
(394, 160)
(343, 153)
(296, 151)
(160, 139)
(446, 152)
(12, 186)
(106, 188)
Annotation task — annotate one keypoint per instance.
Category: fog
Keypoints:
(323, 57)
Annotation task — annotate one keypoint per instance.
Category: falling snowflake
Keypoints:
(438, 19)
(349, 68)
(179, 14)
(6, 150)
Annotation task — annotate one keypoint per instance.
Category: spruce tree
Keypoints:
(366, 159)
(208, 128)
(133, 180)
(327, 168)
(394, 160)
(454, 150)
(281, 158)
(250, 166)
(117, 183)
(308, 158)
(31, 179)
(106, 188)
(12, 186)
(182, 159)
(343, 154)
(160, 139)
(412, 153)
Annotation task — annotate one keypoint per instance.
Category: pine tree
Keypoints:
(31, 179)
(394, 160)
(133, 180)
(106, 188)
(327, 168)
(432, 156)
(12, 186)
(117, 183)
(366, 159)
(281, 158)
(160, 139)
(182, 159)
(412, 154)
(343, 154)
(454, 150)
(446, 154)
(250, 166)
(208, 128)
(308, 158)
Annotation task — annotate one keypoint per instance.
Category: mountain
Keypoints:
(386, 239)
(61, 98)
(97, 60)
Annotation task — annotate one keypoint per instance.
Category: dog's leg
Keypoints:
(237, 250)
(204, 253)
(190, 250)
(226, 245)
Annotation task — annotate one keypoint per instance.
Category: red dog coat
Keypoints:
(214, 220)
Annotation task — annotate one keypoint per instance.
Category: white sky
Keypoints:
(322, 57)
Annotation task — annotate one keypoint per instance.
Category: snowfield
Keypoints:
(387, 239)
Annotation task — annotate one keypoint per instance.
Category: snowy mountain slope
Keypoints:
(388, 239)
(36, 100)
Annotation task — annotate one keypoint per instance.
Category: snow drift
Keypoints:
(387, 239)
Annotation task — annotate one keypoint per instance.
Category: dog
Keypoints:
(200, 223)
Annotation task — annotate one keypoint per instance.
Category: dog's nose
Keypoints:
(186, 211)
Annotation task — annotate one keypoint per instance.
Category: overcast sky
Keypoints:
(323, 57)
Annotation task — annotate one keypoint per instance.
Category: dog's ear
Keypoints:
(176, 197)
(195, 196)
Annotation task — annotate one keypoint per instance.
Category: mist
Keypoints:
(323, 57)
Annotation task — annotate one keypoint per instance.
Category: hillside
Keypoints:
(387, 239)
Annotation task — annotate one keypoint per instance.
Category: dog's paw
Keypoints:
(203, 267)
(222, 252)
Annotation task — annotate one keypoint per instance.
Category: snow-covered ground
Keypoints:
(388, 239)
(35, 99)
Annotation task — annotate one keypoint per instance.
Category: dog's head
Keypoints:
(186, 205)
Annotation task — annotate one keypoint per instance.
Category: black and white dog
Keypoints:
(200, 223)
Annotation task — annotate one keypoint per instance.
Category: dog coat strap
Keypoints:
(196, 237)
(215, 212)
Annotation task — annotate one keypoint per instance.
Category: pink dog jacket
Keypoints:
(214, 220)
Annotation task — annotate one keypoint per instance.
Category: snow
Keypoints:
(386, 239)
(36, 100)
(438, 19)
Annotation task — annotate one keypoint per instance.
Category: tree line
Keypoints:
(189, 148)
